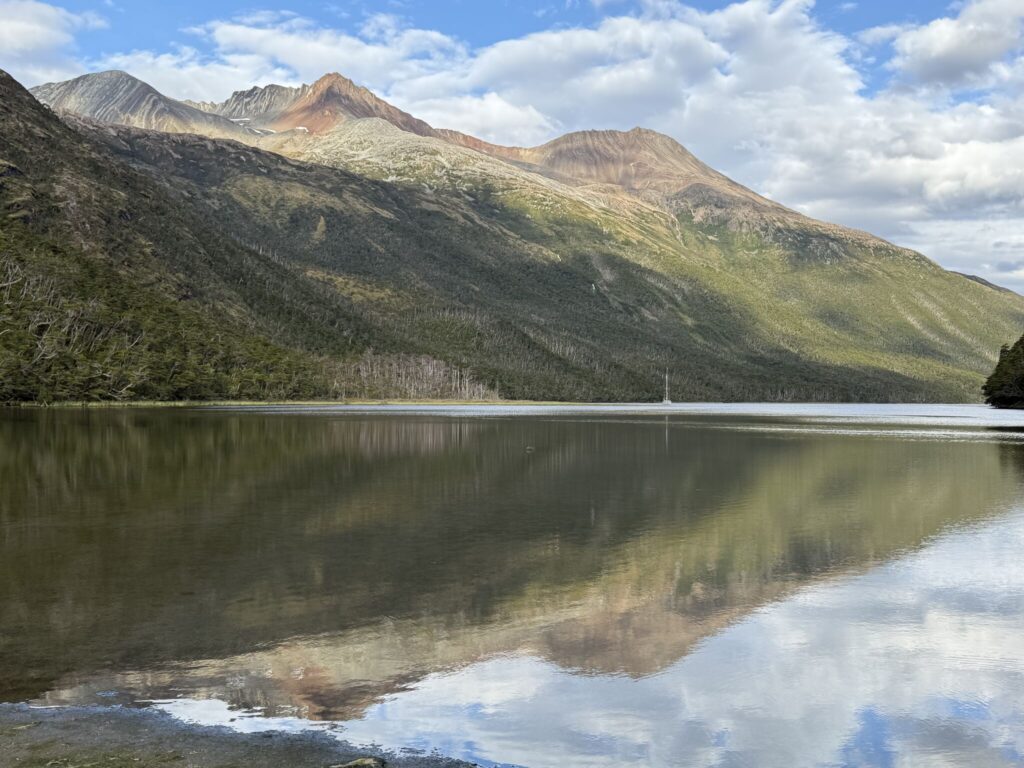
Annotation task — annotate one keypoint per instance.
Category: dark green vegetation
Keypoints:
(1005, 387)
(114, 285)
(145, 265)
(112, 290)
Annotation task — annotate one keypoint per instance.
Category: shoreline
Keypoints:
(89, 404)
(117, 737)
(199, 404)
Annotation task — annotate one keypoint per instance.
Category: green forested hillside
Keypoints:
(114, 287)
(374, 262)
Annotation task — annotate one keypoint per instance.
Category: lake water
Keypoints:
(545, 587)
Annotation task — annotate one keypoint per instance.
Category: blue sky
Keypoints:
(478, 22)
(905, 119)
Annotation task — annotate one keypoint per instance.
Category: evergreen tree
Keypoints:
(1005, 387)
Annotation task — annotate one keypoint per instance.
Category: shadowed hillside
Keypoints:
(115, 286)
(580, 270)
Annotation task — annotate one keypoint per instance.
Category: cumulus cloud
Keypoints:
(37, 44)
(625, 69)
(962, 50)
(381, 53)
(490, 117)
(185, 73)
(760, 89)
(37, 39)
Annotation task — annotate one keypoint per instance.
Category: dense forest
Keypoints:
(110, 289)
(1005, 387)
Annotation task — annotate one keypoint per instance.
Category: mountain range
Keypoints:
(319, 242)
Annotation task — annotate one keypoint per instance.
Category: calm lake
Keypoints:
(545, 587)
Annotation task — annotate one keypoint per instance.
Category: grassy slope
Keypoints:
(792, 310)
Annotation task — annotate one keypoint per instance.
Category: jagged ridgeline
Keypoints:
(318, 242)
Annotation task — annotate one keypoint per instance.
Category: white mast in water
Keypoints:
(667, 400)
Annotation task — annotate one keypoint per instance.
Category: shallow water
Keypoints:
(686, 586)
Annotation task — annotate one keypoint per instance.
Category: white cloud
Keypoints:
(384, 52)
(620, 72)
(883, 34)
(37, 39)
(962, 50)
(264, 47)
(490, 117)
(185, 73)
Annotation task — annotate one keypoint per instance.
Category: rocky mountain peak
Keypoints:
(636, 159)
(334, 99)
(338, 82)
(257, 106)
(117, 97)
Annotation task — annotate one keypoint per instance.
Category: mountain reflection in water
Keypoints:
(564, 590)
